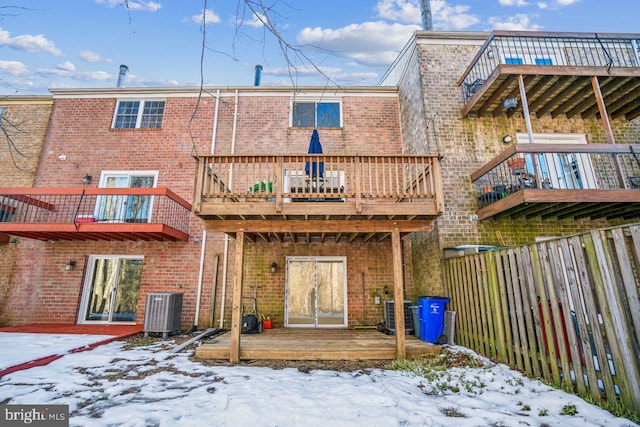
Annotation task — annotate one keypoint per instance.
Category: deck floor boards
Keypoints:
(316, 344)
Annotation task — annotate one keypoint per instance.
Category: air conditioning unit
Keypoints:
(449, 325)
(390, 319)
(162, 313)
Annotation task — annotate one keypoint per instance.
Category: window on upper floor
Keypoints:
(138, 114)
(314, 114)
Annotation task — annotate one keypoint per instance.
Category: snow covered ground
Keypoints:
(147, 386)
(20, 348)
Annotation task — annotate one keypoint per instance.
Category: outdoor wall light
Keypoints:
(507, 139)
(87, 179)
(70, 265)
(273, 267)
(386, 290)
(510, 104)
(490, 54)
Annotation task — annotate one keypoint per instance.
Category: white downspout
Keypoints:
(226, 237)
(200, 274)
(204, 232)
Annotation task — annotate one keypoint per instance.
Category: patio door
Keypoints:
(119, 208)
(111, 289)
(316, 292)
(565, 171)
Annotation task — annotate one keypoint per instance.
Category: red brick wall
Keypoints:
(41, 290)
(25, 123)
(369, 270)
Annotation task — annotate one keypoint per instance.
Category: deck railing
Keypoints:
(549, 49)
(558, 166)
(319, 177)
(94, 205)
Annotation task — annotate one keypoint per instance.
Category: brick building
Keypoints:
(452, 87)
(471, 139)
(110, 207)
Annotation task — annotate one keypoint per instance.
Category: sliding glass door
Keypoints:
(316, 292)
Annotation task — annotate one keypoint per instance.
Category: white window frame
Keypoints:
(140, 113)
(104, 175)
(316, 100)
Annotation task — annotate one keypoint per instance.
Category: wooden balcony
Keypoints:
(554, 73)
(561, 181)
(152, 214)
(279, 198)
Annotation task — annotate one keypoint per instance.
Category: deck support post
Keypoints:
(398, 296)
(236, 315)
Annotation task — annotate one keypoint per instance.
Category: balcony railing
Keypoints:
(575, 173)
(94, 213)
(550, 49)
(352, 180)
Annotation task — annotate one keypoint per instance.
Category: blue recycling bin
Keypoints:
(432, 317)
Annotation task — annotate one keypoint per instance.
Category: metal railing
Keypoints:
(94, 205)
(246, 178)
(558, 166)
(549, 49)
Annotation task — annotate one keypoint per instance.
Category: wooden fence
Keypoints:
(564, 310)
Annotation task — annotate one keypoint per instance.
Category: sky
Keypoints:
(81, 43)
(149, 385)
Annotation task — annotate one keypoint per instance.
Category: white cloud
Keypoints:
(13, 68)
(89, 56)
(520, 21)
(369, 43)
(519, 3)
(133, 5)
(209, 16)
(257, 21)
(29, 43)
(400, 10)
(444, 15)
(555, 4)
(67, 66)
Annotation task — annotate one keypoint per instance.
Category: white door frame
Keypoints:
(87, 284)
(556, 167)
(315, 259)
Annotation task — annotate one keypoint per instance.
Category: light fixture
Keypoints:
(70, 265)
(385, 290)
(273, 267)
(507, 139)
(510, 104)
(87, 179)
(490, 53)
(62, 157)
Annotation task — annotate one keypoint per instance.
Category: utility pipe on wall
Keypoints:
(226, 237)
(204, 232)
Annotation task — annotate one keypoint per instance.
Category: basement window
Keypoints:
(310, 114)
(138, 114)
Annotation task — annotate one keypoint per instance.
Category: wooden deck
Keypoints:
(316, 344)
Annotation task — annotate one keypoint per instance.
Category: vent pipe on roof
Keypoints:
(122, 77)
(258, 76)
(427, 22)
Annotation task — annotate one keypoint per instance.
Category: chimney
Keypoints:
(258, 76)
(122, 77)
(427, 23)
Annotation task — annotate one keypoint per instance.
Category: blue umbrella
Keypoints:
(316, 168)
